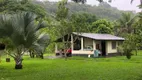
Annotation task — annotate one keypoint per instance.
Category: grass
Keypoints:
(75, 68)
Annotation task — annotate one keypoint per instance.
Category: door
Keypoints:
(103, 44)
(97, 46)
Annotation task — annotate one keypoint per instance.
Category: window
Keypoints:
(114, 45)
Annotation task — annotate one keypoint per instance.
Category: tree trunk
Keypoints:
(128, 54)
(0, 59)
(136, 52)
(41, 56)
(31, 54)
(18, 62)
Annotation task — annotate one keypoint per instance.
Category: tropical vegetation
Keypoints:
(22, 31)
(23, 25)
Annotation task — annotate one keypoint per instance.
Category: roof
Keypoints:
(99, 36)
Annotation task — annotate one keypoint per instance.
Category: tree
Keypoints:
(131, 43)
(66, 26)
(101, 12)
(81, 22)
(39, 46)
(63, 27)
(83, 1)
(77, 1)
(2, 47)
(14, 6)
(125, 24)
(22, 30)
(102, 26)
(138, 32)
(130, 28)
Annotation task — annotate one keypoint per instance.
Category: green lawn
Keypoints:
(75, 68)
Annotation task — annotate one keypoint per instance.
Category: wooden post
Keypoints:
(56, 47)
(82, 43)
(72, 42)
(94, 45)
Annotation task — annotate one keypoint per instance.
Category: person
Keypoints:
(69, 52)
(96, 53)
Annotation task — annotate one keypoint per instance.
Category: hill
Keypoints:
(103, 10)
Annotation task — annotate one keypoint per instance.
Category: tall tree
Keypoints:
(82, 21)
(63, 27)
(102, 26)
(125, 24)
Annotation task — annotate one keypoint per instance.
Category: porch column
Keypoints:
(72, 42)
(94, 45)
(82, 43)
(56, 47)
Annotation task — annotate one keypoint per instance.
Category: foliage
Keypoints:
(102, 26)
(81, 21)
(125, 24)
(128, 27)
(129, 45)
(14, 6)
(62, 11)
(101, 11)
(22, 30)
(61, 15)
(40, 45)
(77, 1)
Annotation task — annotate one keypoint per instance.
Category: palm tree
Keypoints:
(22, 29)
(124, 24)
(39, 46)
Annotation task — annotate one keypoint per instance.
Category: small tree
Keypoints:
(131, 43)
(39, 46)
(66, 26)
(22, 30)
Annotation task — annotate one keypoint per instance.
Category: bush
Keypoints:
(120, 50)
(128, 53)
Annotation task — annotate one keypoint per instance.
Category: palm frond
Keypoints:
(22, 29)
(42, 42)
(5, 25)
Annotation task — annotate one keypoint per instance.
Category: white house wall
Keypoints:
(88, 42)
(109, 47)
(82, 52)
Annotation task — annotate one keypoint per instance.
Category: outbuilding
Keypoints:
(84, 43)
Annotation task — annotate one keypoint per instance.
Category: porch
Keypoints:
(85, 44)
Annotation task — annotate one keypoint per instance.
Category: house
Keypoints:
(83, 43)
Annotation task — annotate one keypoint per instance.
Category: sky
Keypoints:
(120, 4)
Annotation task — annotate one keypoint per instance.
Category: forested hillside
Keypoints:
(104, 10)
(30, 25)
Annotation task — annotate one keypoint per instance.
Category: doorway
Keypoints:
(103, 45)
(77, 44)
